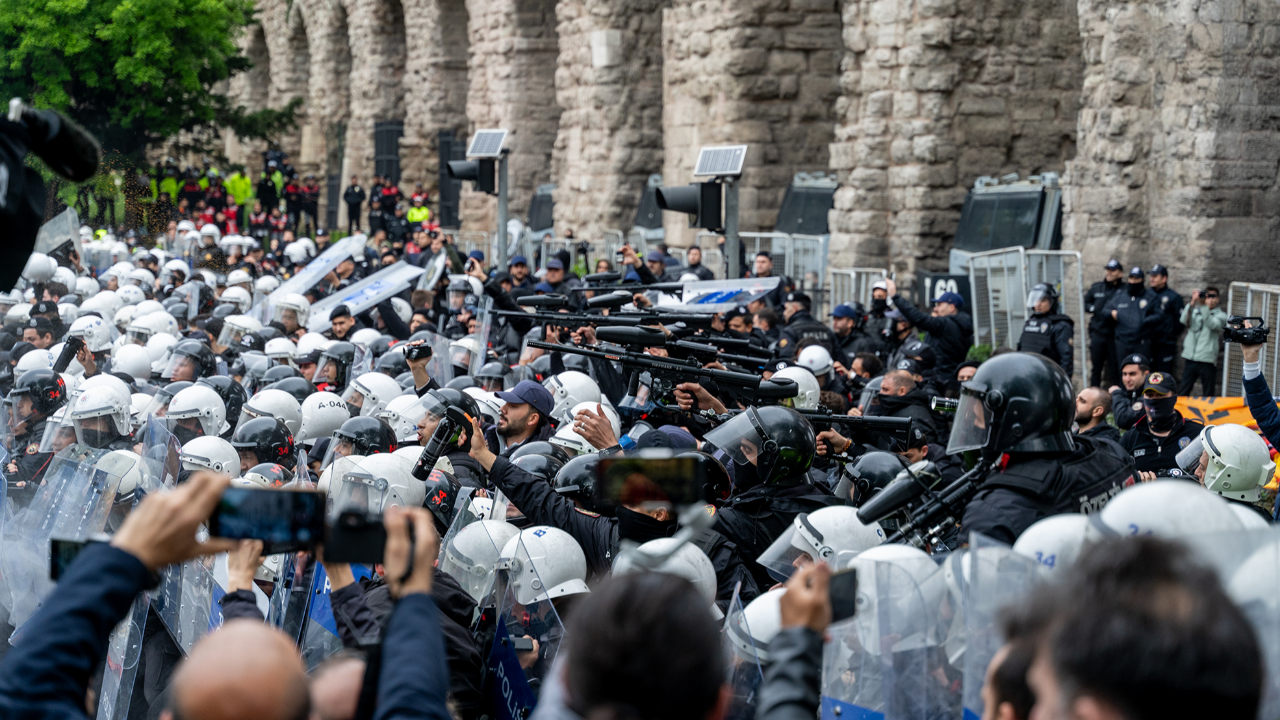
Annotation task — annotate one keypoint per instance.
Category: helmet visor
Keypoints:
(1188, 458)
(231, 335)
(972, 427)
(95, 430)
(739, 437)
(288, 316)
(1035, 296)
(187, 425)
(460, 356)
(785, 555)
(358, 491)
(330, 370)
(181, 367)
(340, 445)
(139, 336)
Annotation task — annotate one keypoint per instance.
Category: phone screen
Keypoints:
(63, 552)
(284, 520)
(843, 589)
(650, 482)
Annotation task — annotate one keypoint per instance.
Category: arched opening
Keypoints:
(334, 86)
(435, 97)
(389, 56)
(257, 80)
(302, 144)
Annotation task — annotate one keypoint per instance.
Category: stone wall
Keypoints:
(435, 86)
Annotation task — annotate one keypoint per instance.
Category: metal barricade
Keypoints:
(1250, 300)
(712, 256)
(850, 285)
(806, 266)
(778, 245)
(1062, 269)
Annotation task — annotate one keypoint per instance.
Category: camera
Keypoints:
(1236, 332)
(417, 351)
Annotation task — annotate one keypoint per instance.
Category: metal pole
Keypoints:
(732, 243)
(502, 212)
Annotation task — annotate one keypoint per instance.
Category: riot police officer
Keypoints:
(35, 396)
(1134, 313)
(1047, 331)
(1022, 405)
(802, 326)
(1169, 304)
(1155, 441)
(1102, 342)
(1126, 399)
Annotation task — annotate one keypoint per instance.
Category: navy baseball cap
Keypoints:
(653, 256)
(517, 260)
(1114, 264)
(844, 311)
(632, 276)
(532, 393)
(1136, 359)
(476, 254)
(555, 264)
(1159, 269)
(950, 297)
(544, 287)
(1136, 272)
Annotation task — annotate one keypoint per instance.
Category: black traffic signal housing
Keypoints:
(480, 172)
(701, 201)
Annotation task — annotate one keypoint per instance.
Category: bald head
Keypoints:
(335, 688)
(245, 671)
(897, 382)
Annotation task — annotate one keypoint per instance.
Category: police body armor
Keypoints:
(807, 328)
(1082, 482)
(1037, 337)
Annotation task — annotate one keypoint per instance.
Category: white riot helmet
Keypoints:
(1056, 541)
(402, 308)
(567, 437)
(1238, 462)
(176, 267)
(211, 453)
(297, 252)
(293, 307)
(365, 337)
(469, 556)
(36, 359)
(18, 315)
(266, 284)
(461, 351)
(281, 349)
(65, 276)
(489, 403)
(326, 475)
(403, 413)
(132, 360)
(200, 402)
(146, 307)
(237, 296)
(101, 416)
(832, 535)
(810, 391)
(39, 268)
(543, 563)
(86, 287)
(142, 276)
(374, 389)
(569, 389)
(138, 404)
(95, 332)
(688, 562)
(751, 629)
(273, 403)
(124, 317)
(210, 230)
(127, 465)
(236, 327)
(322, 413)
(373, 483)
(143, 328)
(1249, 518)
(816, 360)
(237, 278)
(309, 343)
(913, 589)
(1167, 509)
(109, 300)
(159, 347)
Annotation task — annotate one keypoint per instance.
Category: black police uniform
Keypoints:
(599, 536)
(1159, 454)
(702, 271)
(1126, 407)
(803, 326)
(950, 336)
(755, 518)
(1136, 321)
(858, 341)
(1050, 334)
(1164, 338)
(777, 296)
(1102, 341)
(31, 464)
(915, 405)
(1103, 431)
(1032, 487)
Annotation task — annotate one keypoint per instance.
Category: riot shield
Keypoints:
(124, 649)
(361, 363)
(470, 549)
(1254, 584)
(161, 453)
(885, 661)
(989, 577)
(352, 488)
(512, 676)
(320, 638)
(289, 598)
(62, 229)
(435, 271)
(75, 502)
(484, 324)
(438, 367)
(745, 658)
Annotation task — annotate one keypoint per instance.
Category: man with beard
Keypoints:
(525, 418)
(1092, 406)
(1155, 441)
(899, 397)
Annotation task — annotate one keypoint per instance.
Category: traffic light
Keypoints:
(480, 172)
(701, 201)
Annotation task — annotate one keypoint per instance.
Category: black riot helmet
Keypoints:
(365, 436)
(268, 439)
(777, 443)
(437, 400)
(340, 356)
(252, 342)
(1016, 402)
(276, 373)
(46, 388)
(441, 499)
(541, 367)
(868, 475)
(577, 362)
(380, 346)
(462, 382)
(494, 376)
(717, 485)
(544, 467)
(540, 447)
(232, 393)
(299, 387)
(267, 332)
(1043, 291)
(576, 480)
(191, 360)
(392, 364)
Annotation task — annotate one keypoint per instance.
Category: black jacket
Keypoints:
(857, 341)
(31, 463)
(950, 336)
(1050, 335)
(791, 686)
(1136, 320)
(702, 271)
(1103, 431)
(1095, 300)
(353, 195)
(755, 518)
(914, 405)
(1158, 454)
(1126, 407)
(1169, 306)
(803, 326)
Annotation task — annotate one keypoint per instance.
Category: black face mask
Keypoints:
(353, 410)
(184, 434)
(640, 527)
(889, 403)
(1161, 414)
(735, 334)
(1136, 289)
(745, 477)
(879, 305)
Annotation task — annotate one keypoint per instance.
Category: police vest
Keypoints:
(813, 330)
(1082, 482)
(1037, 337)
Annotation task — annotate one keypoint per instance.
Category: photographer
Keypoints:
(1205, 323)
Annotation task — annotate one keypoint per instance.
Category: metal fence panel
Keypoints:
(1250, 300)
(1062, 269)
(998, 286)
(850, 285)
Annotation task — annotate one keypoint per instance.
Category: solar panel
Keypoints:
(721, 160)
(487, 144)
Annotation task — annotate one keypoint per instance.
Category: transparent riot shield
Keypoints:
(362, 362)
(75, 502)
(320, 638)
(886, 662)
(484, 325)
(989, 577)
(290, 597)
(438, 367)
(470, 549)
(161, 453)
(745, 658)
(1253, 582)
(124, 649)
(513, 676)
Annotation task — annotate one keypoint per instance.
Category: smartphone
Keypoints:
(63, 552)
(522, 644)
(285, 520)
(651, 479)
(843, 589)
(355, 537)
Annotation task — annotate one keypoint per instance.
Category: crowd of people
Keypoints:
(520, 576)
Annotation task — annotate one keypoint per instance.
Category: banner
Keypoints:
(719, 295)
(321, 265)
(364, 294)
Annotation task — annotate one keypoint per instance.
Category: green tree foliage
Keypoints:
(132, 72)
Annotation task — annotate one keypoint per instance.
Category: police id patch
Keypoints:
(1142, 303)
(782, 342)
(33, 448)
(588, 513)
(1183, 442)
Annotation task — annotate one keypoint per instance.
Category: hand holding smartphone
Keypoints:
(285, 520)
